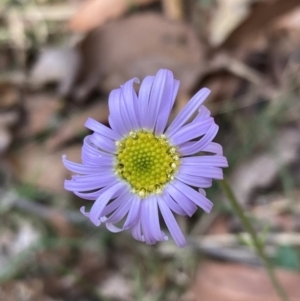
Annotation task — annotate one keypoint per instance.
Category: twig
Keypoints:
(40, 210)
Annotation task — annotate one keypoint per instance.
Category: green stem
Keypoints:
(256, 241)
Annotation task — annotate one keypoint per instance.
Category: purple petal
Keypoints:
(187, 111)
(91, 155)
(203, 171)
(182, 200)
(172, 204)
(198, 146)
(116, 203)
(167, 101)
(118, 122)
(92, 196)
(155, 229)
(172, 224)
(116, 126)
(130, 98)
(96, 194)
(96, 161)
(202, 191)
(216, 161)
(162, 78)
(213, 148)
(90, 182)
(204, 112)
(103, 143)
(134, 212)
(102, 129)
(144, 97)
(145, 223)
(191, 131)
(175, 89)
(121, 211)
(102, 201)
(194, 180)
(125, 114)
(136, 232)
(199, 199)
(84, 168)
(112, 228)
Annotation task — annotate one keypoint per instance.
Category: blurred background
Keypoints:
(58, 62)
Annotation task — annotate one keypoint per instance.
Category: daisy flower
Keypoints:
(138, 168)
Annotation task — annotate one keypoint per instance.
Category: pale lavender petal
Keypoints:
(115, 104)
(116, 125)
(155, 229)
(131, 101)
(95, 195)
(171, 224)
(82, 210)
(134, 212)
(217, 161)
(203, 171)
(194, 180)
(116, 203)
(204, 112)
(92, 196)
(144, 97)
(90, 182)
(198, 146)
(101, 129)
(84, 168)
(136, 232)
(176, 84)
(91, 150)
(172, 204)
(124, 113)
(191, 131)
(112, 228)
(202, 191)
(199, 199)
(97, 161)
(156, 96)
(121, 211)
(103, 143)
(183, 201)
(91, 155)
(102, 201)
(145, 223)
(166, 102)
(213, 147)
(188, 111)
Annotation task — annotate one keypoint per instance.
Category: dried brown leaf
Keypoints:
(262, 15)
(24, 290)
(136, 47)
(40, 113)
(95, 13)
(235, 282)
(226, 17)
(261, 171)
(75, 124)
(34, 165)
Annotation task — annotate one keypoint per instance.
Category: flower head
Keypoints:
(138, 167)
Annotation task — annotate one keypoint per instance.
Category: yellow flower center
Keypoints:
(146, 162)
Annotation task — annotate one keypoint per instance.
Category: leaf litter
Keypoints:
(250, 59)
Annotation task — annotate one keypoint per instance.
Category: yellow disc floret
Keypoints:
(147, 162)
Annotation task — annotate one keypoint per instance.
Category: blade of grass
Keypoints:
(257, 243)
